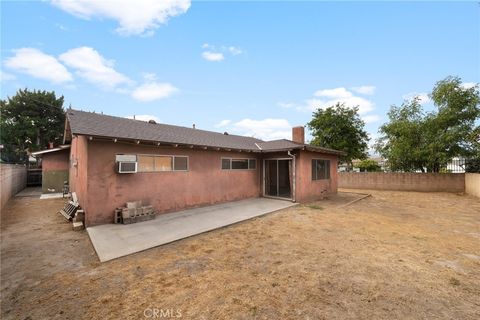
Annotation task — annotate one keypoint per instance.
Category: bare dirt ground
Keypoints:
(395, 255)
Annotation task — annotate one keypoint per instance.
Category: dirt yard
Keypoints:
(395, 255)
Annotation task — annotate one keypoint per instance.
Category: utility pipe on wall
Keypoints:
(294, 168)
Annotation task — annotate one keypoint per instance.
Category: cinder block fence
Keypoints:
(472, 184)
(13, 179)
(426, 182)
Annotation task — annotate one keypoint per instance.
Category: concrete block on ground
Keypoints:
(79, 216)
(77, 226)
(129, 220)
(118, 216)
(134, 204)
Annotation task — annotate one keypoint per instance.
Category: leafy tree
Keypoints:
(415, 140)
(29, 121)
(340, 128)
(368, 165)
(403, 141)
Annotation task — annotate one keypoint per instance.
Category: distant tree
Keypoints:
(415, 140)
(403, 140)
(368, 165)
(339, 127)
(29, 121)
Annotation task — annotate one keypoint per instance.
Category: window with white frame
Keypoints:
(239, 164)
(159, 163)
(320, 169)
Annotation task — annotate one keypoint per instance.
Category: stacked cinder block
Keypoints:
(134, 212)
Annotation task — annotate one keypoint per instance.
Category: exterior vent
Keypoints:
(126, 167)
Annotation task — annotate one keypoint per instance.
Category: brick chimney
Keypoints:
(298, 134)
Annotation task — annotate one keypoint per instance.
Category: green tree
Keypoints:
(368, 165)
(340, 128)
(29, 121)
(403, 140)
(415, 140)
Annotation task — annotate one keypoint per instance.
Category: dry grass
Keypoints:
(393, 255)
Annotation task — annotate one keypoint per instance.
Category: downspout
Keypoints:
(294, 168)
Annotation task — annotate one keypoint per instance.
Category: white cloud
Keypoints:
(212, 56)
(468, 85)
(368, 90)
(152, 90)
(39, 65)
(329, 97)
(133, 17)
(93, 67)
(333, 93)
(214, 53)
(266, 129)
(144, 117)
(235, 50)
(223, 123)
(371, 118)
(422, 96)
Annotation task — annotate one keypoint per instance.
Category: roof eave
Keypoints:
(164, 143)
(41, 152)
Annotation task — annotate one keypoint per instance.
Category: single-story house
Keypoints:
(114, 160)
(55, 167)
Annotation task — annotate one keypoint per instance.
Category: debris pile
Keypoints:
(72, 212)
(134, 212)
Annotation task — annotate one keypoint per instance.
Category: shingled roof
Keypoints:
(105, 126)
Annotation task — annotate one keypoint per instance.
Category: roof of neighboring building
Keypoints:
(105, 126)
(59, 148)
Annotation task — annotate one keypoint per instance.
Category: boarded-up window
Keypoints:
(320, 169)
(158, 163)
(181, 163)
(163, 163)
(145, 163)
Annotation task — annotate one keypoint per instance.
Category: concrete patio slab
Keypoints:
(52, 196)
(117, 240)
(34, 192)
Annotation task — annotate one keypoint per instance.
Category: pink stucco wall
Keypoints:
(308, 189)
(78, 175)
(204, 183)
(56, 160)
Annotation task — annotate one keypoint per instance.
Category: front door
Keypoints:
(278, 178)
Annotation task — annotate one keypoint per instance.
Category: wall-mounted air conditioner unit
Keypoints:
(126, 167)
(126, 163)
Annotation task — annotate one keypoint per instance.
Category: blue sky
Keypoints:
(253, 68)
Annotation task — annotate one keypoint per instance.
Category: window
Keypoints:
(238, 164)
(320, 169)
(226, 164)
(252, 163)
(157, 163)
(180, 163)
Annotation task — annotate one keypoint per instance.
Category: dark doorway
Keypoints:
(278, 178)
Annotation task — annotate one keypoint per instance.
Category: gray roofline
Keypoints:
(60, 148)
